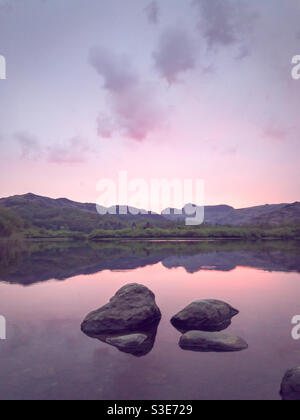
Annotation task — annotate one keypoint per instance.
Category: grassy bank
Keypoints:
(178, 232)
(13, 226)
(201, 232)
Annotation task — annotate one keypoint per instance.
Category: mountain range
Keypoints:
(62, 213)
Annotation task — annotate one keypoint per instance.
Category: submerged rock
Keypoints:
(204, 315)
(127, 341)
(290, 386)
(138, 343)
(211, 342)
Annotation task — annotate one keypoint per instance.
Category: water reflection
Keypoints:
(138, 343)
(29, 263)
(46, 356)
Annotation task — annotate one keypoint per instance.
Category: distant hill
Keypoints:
(286, 214)
(268, 214)
(64, 214)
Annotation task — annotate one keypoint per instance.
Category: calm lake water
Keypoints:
(46, 290)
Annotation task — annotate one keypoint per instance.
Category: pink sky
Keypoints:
(176, 89)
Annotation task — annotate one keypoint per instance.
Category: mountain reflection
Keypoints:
(28, 263)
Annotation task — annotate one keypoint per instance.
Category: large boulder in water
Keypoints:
(204, 315)
(132, 308)
(211, 342)
(290, 386)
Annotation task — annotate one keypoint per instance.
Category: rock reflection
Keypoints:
(138, 343)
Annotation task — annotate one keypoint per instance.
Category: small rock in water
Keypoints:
(211, 342)
(132, 308)
(290, 386)
(204, 315)
(127, 341)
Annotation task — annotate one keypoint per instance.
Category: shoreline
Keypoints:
(148, 239)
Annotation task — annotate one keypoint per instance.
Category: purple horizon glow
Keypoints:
(169, 89)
